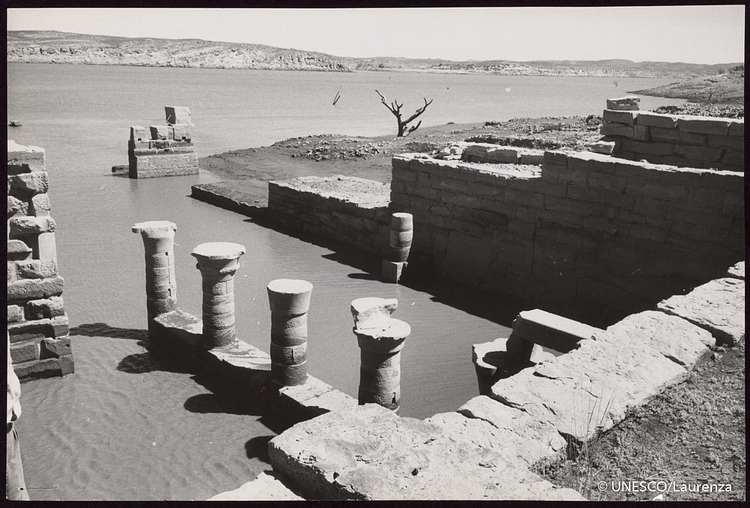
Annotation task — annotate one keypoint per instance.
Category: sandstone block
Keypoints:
(40, 205)
(673, 337)
(166, 164)
(369, 453)
(623, 117)
(34, 289)
(703, 125)
(624, 104)
(38, 329)
(45, 308)
(701, 153)
(677, 136)
(29, 183)
(177, 114)
(535, 157)
(717, 306)
(648, 148)
(617, 129)
(733, 142)
(27, 226)
(24, 159)
(45, 247)
(656, 120)
(24, 352)
(17, 207)
(182, 132)
(15, 313)
(267, 486)
(603, 147)
(54, 348)
(139, 134)
(36, 269)
(45, 368)
(312, 398)
(550, 330)
(528, 438)
(159, 132)
(18, 250)
(737, 128)
(734, 158)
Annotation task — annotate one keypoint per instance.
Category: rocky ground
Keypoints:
(691, 434)
(726, 88)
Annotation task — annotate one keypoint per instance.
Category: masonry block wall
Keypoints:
(585, 235)
(163, 150)
(38, 326)
(685, 141)
(359, 221)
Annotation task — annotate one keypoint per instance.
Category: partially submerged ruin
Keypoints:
(163, 150)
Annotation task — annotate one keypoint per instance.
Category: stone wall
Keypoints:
(585, 235)
(163, 150)
(347, 210)
(685, 141)
(37, 324)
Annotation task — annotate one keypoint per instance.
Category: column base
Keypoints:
(392, 270)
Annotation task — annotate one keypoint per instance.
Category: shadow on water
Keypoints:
(224, 398)
(257, 448)
(104, 330)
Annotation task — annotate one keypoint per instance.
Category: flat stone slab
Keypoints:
(550, 330)
(514, 434)
(242, 355)
(313, 398)
(370, 453)
(672, 336)
(589, 389)
(268, 486)
(717, 306)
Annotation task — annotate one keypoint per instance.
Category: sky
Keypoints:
(707, 34)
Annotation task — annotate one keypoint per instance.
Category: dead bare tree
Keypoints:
(395, 108)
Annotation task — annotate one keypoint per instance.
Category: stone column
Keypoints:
(161, 284)
(289, 300)
(402, 233)
(218, 262)
(380, 339)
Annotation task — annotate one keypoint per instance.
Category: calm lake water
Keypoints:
(122, 428)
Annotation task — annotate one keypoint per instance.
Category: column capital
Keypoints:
(154, 228)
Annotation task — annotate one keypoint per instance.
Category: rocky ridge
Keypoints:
(61, 47)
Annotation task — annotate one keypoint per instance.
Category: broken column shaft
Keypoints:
(161, 284)
(218, 262)
(402, 234)
(289, 300)
(380, 340)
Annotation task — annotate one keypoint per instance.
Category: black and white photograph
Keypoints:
(468, 253)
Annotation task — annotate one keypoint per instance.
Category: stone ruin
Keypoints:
(163, 150)
(38, 327)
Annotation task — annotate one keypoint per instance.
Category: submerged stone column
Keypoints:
(218, 262)
(402, 234)
(380, 339)
(161, 284)
(289, 300)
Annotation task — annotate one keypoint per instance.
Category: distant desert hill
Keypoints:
(61, 47)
